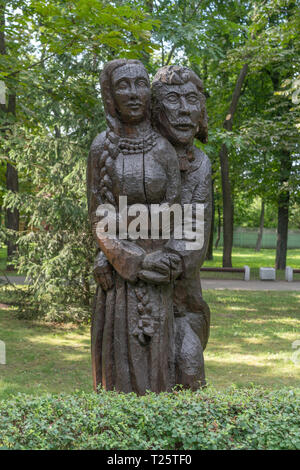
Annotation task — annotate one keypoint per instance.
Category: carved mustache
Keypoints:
(183, 123)
(134, 103)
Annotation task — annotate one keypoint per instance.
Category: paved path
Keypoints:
(13, 279)
(220, 284)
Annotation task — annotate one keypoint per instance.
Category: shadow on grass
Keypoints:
(250, 342)
(43, 358)
(251, 338)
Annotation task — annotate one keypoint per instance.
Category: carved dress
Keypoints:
(133, 342)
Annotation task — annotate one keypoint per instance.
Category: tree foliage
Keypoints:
(54, 74)
(54, 52)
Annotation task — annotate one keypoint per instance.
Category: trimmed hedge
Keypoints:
(209, 419)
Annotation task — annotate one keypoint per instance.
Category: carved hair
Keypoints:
(176, 75)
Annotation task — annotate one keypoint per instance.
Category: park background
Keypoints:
(51, 53)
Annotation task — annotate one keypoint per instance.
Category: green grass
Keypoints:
(253, 259)
(3, 259)
(3, 254)
(250, 343)
(42, 357)
(251, 338)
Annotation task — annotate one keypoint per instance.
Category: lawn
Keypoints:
(3, 257)
(251, 338)
(253, 259)
(251, 343)
(3, 253)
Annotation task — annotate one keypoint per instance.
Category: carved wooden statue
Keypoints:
(150, 323)
(179, 112)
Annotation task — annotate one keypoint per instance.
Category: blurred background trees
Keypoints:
(51, 53)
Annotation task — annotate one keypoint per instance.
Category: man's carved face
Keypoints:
(180, 112)
(131, 91)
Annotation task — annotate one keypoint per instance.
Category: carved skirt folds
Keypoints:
(133, 343)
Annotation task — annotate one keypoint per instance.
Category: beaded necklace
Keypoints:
(133, 146)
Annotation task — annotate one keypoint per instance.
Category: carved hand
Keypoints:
(160, 268)
(103, 272)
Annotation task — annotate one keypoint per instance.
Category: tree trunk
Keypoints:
(283, 211)
(261, 226)
(219, 229)
(282, 230)
(12, 216)
(226, 186)
(12, 183)
(227, 208)
(209, 254)
(2, 25)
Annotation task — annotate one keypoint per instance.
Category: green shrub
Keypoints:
(236, 419)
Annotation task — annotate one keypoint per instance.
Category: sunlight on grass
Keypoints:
(256, 340)
(253, 259)
(250, 342)
(272, 320)
(253, 345)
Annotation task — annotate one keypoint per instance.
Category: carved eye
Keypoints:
(142, 83)
(192, 99)
(122, 85)
(172, 98)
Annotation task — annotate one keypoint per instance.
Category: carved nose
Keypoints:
(184, 106)
(133, 91)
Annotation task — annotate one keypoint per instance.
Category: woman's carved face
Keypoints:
(131, 91)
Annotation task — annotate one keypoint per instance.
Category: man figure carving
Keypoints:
(179, 114)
